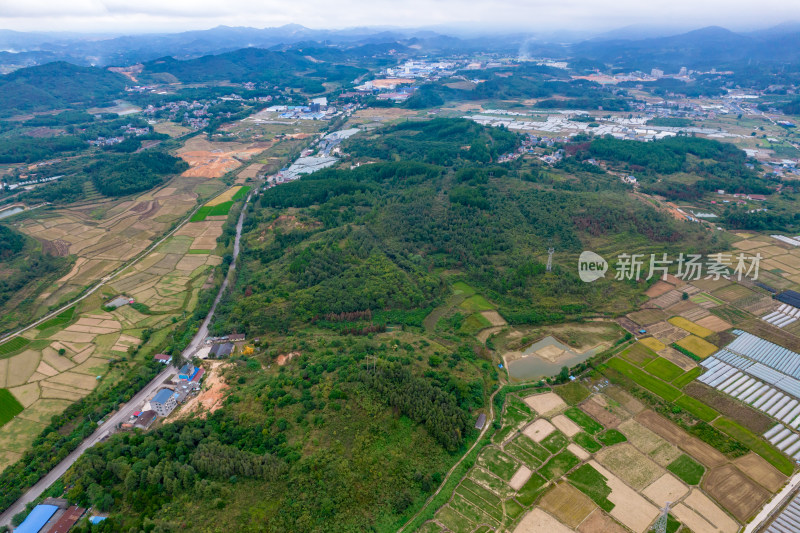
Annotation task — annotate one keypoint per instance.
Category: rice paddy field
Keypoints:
(104, 234)
(87, 346)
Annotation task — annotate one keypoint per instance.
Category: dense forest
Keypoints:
(133, 173)
(57, 85)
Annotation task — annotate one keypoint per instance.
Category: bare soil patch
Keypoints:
(282, 359)
(569, 505)
(600, 522)
(710, 512)
(520, 477)
(671, 354)
(647, 442)
(672, 433)
(565, 425)
(605, 414)
(659, 288)
(667, 488)
(753, 420)
(494, 318)
(714, 323)
(631, 509)
(760, 471)
(546, 403)
(735, 491)
(537, 521)
(539, 430)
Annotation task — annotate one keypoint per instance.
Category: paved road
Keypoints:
(125, 412)
(779, 499)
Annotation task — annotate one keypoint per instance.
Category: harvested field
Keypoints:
(690, 326)
(520, 477)
(565, 425)
(674, 356)
(215, 164)
(537, 521)
(667, 488)
(709, 285)
(666, 332)
(649, 443)
(653, 343)
(630, 465)
(658, 288)
(578, 452)
(714, 323)
(546, 403)
(700, 347)
(671, 433)
(538, 430)
(25, 394)
(754, 420)
(494, 318)
(732, 292)
(600, 522)
(712, 517)
(735, 491)
(567, 504)
(667, 299)
(43, 409)
(628, 402)
(79, 381)
(638, 354)
(607, 415)
(760, 471)
(646, 317)
(226, 196)
(21, 367)
(688, 310)
(631, 509)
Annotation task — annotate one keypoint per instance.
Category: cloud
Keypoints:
(535, 16)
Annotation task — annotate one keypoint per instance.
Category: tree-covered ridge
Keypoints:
(133, 173)
(374, 236)
(58, 84)
(11, 243)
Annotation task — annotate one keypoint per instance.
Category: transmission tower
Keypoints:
(661, 523)
(550, 258)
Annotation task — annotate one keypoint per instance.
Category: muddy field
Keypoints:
(675, 435)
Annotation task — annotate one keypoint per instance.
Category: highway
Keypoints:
(126, 410)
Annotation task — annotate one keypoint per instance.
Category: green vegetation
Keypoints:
(9, 406)
(558, 465)
(531, 490)
(687, 469)
(611, 437)
(554, 442)
(688, 377)
(201, 214)
(661, 368)
(585, 441)
(241, 193)
(638, 354)
(697, 408)
(477, 303)
(592, 483)
(589, 424)
(133, 173)
(644, 379)
(60, 319)
(14, 345)
(755, 443)
(573, 392)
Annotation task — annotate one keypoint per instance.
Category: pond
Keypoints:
(5, 213)
(545, 358)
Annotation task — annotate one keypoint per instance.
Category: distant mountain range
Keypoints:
(641, 47)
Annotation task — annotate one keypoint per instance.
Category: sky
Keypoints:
(535, 16)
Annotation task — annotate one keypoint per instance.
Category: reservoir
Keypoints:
(545, 358)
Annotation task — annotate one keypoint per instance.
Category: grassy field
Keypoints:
(573, 392)
(697, 408)
(611, 437)
(755, 443)
(663, 369)
(9, 406)
(477, 303)
(585, 441)
(687, 469)
(651, 383)
(592, 483)
(688, 377)
(14, 345)
(638, 354)
(58, 320)
(559, 465)
(555, 442)
(589, 424)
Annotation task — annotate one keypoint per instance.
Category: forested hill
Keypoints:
(292, 68)
(352, 407)
(56, 85)
(432, 198)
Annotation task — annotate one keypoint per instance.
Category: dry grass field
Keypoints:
(567, 504)
(735, 491)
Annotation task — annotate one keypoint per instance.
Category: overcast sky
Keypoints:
(545, 16)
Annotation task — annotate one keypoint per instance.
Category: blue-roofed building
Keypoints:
(36, 519)
(164, 402)
(97, 519)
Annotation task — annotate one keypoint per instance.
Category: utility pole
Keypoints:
(661, 523)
